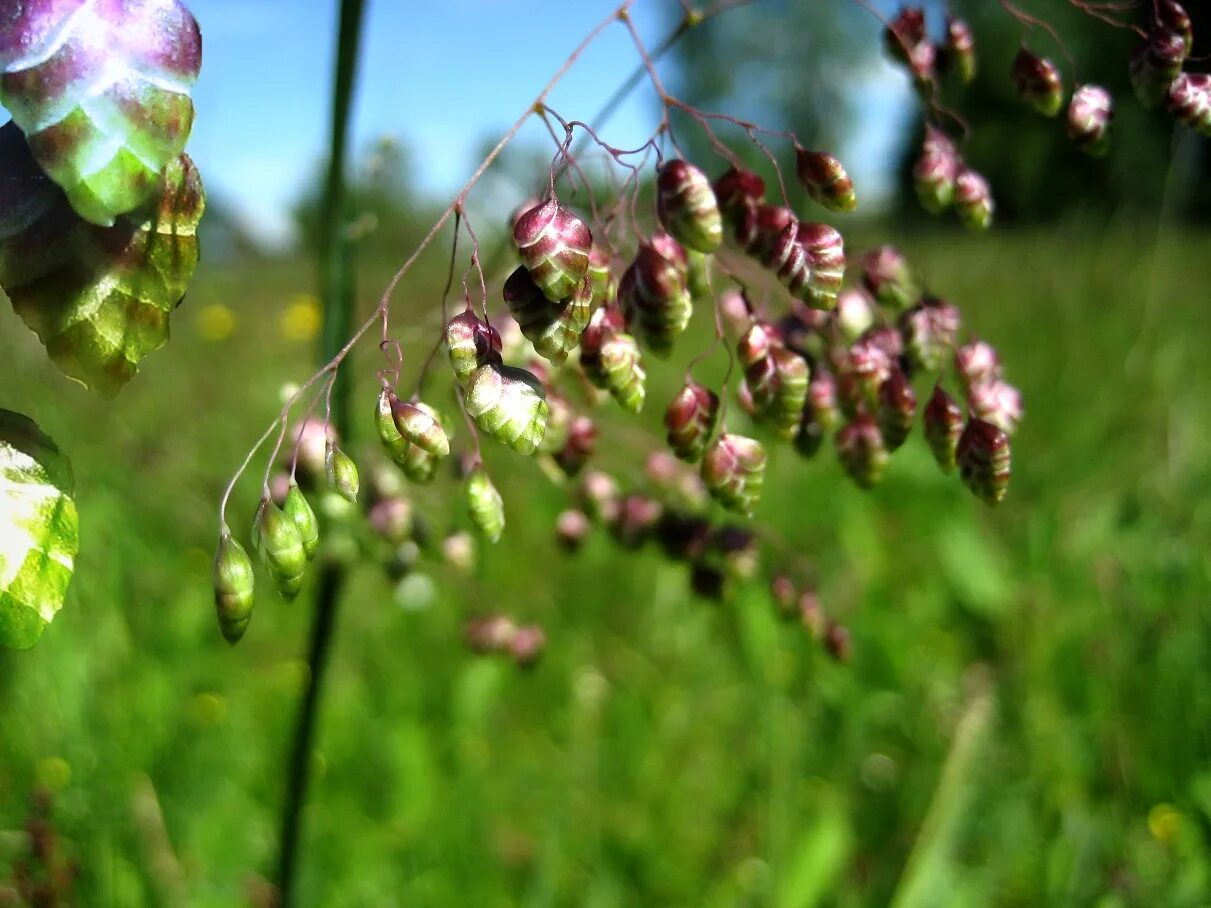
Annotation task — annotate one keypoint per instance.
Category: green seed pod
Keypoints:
(861, 451)
(418, 465)
(600, 278)
(825, 248)
(655, 297)
(690, 419)
(554, 245)
(897, 406)
(626, 378)
(342, 473)
(420, 425)
(553, 328)
(791, 375)
(733, 470)
(509, 404)
(687, 207)
(825, 180)
(299, 511)
(973, 200)
(698, 276)
(233, 587)
(281, 547)
(484, 504)
(983, 458)
(1156, 63)
(935, 171)
(1038, 82)
(470, 343)
(943, 425)
(888, 277)
(959, 51)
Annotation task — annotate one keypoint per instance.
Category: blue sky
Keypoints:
(442, 77)
(263, 95)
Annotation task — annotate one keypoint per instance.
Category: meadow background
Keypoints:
(1026, 719)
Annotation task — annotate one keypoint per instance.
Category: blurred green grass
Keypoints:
(1026, 720)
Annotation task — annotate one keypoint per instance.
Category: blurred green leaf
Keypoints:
(39, 530)
(98, 297)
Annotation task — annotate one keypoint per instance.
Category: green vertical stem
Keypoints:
(337, 292)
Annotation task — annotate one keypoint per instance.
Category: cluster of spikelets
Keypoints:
(839, 361)
(941, 177)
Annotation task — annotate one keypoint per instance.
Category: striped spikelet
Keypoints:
(553, 328)
(654, 293)
(508, 404)
(690, 419)
(984, 461)
(484, 504)
(733, 470)
(554, 245)
(687, 207)
(943, 422)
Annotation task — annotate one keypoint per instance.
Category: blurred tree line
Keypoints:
(806, 61)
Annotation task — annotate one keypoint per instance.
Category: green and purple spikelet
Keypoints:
(554, 245)
(102, 92)
(687, 207)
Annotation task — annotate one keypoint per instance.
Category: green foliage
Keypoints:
(98, 297)
(40, 532)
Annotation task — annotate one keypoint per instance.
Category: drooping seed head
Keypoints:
(527, 645)
(787, 257)
(420, 426)
(508, 404)
(855, 314)
(896, 410)
(234, 584)
(822, 399)
(690, 420)
(342, 473)
(825, 179)
(625, 376)
(733, 470)
(759, 387)
(571, 529)
(996, 401)
(973, 200)
(1156, 63)
(1189, 101)
(698, 270)
(600, 277)
(579, 447)
(299, 511)
(870, 362)
(554, 328)
(484, 504)
(769, 222)
(1038, 83)
(654, 294)
(599, 496)
(983, 457)
(559, 424)
(636, 520)
(861, 451)
(977, 361)
(935, 171)
(929, 330)
(281, 548)
(604, 323)
(471, 344)
(959, 51)
(907, 42)
(791, 375)
(756, 342)
(418, 465)
(943, 423)
(1172, 16)
(1090, 113)
(739, 194)
(687, 207)
(825, 249)
(554, 245)
(887, 276)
